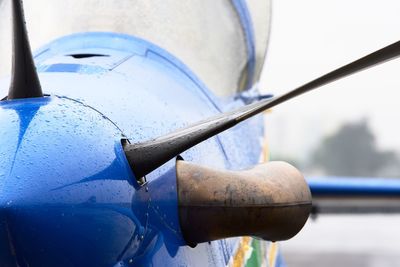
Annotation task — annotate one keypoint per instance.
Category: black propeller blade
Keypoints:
(146, 157)
(24, 80)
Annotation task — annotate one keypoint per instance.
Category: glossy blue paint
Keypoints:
(351, 186)
(119, 49)
(68, 195)
(66, 191)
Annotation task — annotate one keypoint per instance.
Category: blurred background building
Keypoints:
(346, 128)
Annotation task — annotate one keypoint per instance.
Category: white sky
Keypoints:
(312, 37)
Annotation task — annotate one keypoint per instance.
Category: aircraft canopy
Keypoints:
(216, 39)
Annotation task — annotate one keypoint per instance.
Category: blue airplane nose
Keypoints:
(65, 186)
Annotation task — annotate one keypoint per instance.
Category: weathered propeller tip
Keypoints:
(24, 79)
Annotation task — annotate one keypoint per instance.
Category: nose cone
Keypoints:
(62, 171)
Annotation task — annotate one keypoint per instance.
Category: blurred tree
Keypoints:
(352, 151)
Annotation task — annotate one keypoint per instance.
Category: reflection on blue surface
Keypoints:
(74, 68)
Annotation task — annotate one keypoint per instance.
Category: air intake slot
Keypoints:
(80, 56)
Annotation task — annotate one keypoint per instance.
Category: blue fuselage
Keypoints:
(67, 194)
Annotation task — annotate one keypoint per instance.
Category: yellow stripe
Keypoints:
(265, 151)
(265, 147)
(272, 254)
(240, 256)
